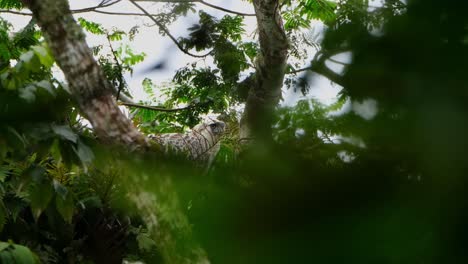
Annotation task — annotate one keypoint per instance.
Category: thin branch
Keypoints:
(118, 13)
(165, 30)
(322, 70)
(102, 4)
(16, 12)
(160, 109)
(201, 2)
(223, 9)
(299, 70)
(121, 79)
(311, 68)
(331, 75)
(338, 62)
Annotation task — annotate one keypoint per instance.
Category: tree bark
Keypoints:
(93, 94)
(87, 82)
(265, 93)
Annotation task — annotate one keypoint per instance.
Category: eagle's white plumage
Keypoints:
(201, 144)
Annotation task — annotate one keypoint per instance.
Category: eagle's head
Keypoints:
(212, 127)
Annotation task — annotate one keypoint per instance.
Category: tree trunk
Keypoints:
(87, 82)
(93, 93)
(265, 93)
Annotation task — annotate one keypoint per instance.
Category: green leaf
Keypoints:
(4, 246)
(35, 173)
(3, 215)
(16, 254)
(84, 152)
(55, 150)
(65, 132)
(46, 85)
(28, 93)
(44, 55)
(61, 190)
(15, 138)
(116, 35)
(10, 4)
(3, 174)
(145, 243)
(65, 207)
(27, 56)
(23, 255)
(91, 202)
(91, 27)
(40, 196)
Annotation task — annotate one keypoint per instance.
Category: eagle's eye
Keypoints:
(212, 125)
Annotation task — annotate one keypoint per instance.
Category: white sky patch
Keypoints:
(321, 88)
(161, 49)
(328, 139)
(338, 62)
(346, 156)
(353, 141)
(300, 132)
(366, 109)
(346, 108)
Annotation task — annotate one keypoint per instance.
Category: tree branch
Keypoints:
(103, 4)
(201, 2)
(16, 12)
(93, 95)
(265, 92)
(165, 30)
(122, 82)
(299, 70)
(160, 109)
(328, 73)
(119, 13)
(322, 70)
(223, 9)
(338, 62)
(87, 82)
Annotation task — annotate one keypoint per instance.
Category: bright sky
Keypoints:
(161, 49)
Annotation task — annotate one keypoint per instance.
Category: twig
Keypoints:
(102, 4)
(223, 9)
(16, 12)
(338, 62)
(121, 79)
(201, 2)
(118, 13)
(299, 70)
(157, 108)
(165, 30)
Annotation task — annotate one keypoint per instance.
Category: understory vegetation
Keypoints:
(309, 182)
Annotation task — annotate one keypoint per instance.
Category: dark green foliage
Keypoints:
(12, 47)
(50, 198)
(224, 37)
(334, 187)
